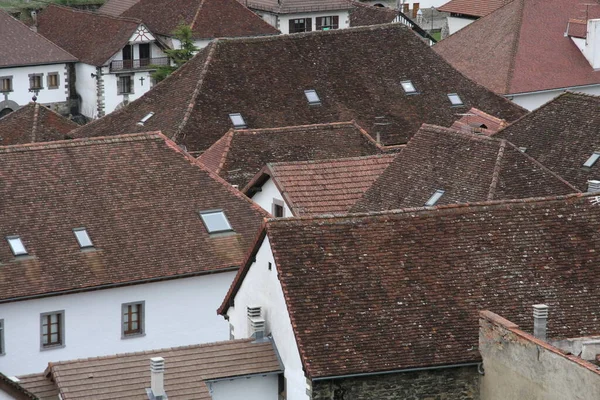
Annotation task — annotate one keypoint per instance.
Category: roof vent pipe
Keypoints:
(540, 320)
(157, 378)
(593, 186)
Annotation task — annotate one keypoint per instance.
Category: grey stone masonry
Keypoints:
(461, 383)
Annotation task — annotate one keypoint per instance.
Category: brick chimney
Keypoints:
(157, 379)
(540, 320)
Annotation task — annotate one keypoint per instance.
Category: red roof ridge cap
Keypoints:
(292, 128)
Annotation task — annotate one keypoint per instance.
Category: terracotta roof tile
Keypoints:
(476, 121)
(369, 293)
(64, 26)
(362, 84)
(295, 6)
(524, 47)
(33, 123)
(42, 388)
(116, 7)
(562, 135)
(22, 46)
(476, 8)
(137, 195)
(467, 167)
(364, 14)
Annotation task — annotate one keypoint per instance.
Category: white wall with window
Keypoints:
(148, 316)
(308, 22)
(269, 197)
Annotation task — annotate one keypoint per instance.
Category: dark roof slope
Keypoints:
(369, 293)
(116, 7)
(295, 6)
(475, 8)
(14, 390)
(562, 135)
(137, 195)
(126, 376)
(92, 37)
(468, 167)
(524, 47)
(240, 154)
(33, 123)
(356, 72)
(364, 14)
(22, 46)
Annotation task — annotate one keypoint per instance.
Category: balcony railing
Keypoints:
(142, 63)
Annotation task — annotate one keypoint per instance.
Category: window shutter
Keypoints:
(335, 21)
(308, 24)
(292, 26)
(320, 23)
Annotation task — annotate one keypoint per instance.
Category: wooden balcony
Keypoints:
(143, 63)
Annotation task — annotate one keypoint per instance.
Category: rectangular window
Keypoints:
(16, 245)
(124, 84)
(278, 210)
(2, 352)
(53, 80)
(327, 23)
(133, 319)
(53, 329)
(35, 81)
(300, 25)
(6, 84)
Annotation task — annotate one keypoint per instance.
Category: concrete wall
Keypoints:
(532, 101)
(261, 287)
(259, 387)
(443, 384)
(517, 368)
(455, 24)
(265, 198)
(177, 312)
(20, 80)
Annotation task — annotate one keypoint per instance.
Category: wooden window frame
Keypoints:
(120, 86)
(46, 317)
(36, 78)
(322, 25)
(307, 25)
(8, 79)
(127, 311)
(49, 83)
(278, 203)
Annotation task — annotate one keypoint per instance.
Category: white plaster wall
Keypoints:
(177, 312)
(259, 387)
(112, 99)
(269, 18)
(5, 396)
(21, 94)
(592, 43)
(532, 101)
(262, 287)
(283, 23)
(455, 24)
(265, 198)
(201, 43)
(85, 85)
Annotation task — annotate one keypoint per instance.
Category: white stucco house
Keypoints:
(134, 252)
(32, 66)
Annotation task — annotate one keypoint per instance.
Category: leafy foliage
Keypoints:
(180, 56)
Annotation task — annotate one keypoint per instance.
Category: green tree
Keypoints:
(180, 56)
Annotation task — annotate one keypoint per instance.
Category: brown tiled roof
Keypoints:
(22, 46)
(44, 389)
(296, 6)
(475, 8)
(137, 195)
(524, 47)
(14, 390)
(324, 186)
(240, 154)
(116, 7)
(126, 376)
(364, 14)
(562, 135)
(33, 123)
(577, 26)
(466, 166)
(92, 37)
(356, 72)
(476, 121)
(208, 18)
(399, 290)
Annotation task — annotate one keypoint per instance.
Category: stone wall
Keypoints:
(438, 384)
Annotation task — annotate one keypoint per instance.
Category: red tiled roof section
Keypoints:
(208, 18)
(42, 388)
(468, 167)
(327, 186)
(476, 121)
(295, 6)
(364, 14)
(269, 96)
(242, 153)
(21, 46)
(524, 48)
(562, 135)
(139, 197)
(84, 33)
(403, 290)
(126, 376)
(33, 123)
(475, 8)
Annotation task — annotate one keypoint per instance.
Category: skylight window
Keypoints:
(312, 97)
(592, 160)
(16, 245)
(435, 197)
(408, 87)
(455, 99)
(523, 149)
(145, 119)
(237, 120)
(83, 238)
(215, 221)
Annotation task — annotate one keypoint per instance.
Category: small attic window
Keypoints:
(455, 99)
(238, 121)
(145, 119)
(215, 221)
(435, 197)
(408, 87)
(312, 97)
(16, 245)
(592, 160)
(83, 238)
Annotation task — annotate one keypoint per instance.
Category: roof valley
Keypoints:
(515, 47)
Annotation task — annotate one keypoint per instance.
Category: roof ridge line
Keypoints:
(333, 160)
(119, 17)
(514, 47)
(228, 140)
(294, 127)
(196, 15)
(36, 113)
(496, 172)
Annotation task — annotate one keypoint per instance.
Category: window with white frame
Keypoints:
(327, 23)
(52, 329)
(132, 319)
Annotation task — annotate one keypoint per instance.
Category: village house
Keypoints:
(534, 51)
(384, 77)
(386, 305)
(465, 12)
(208, 19)
(113, 245)
(113, 69)
(32, 66)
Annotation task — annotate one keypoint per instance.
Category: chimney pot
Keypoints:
(157, 379)
(540, 320)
